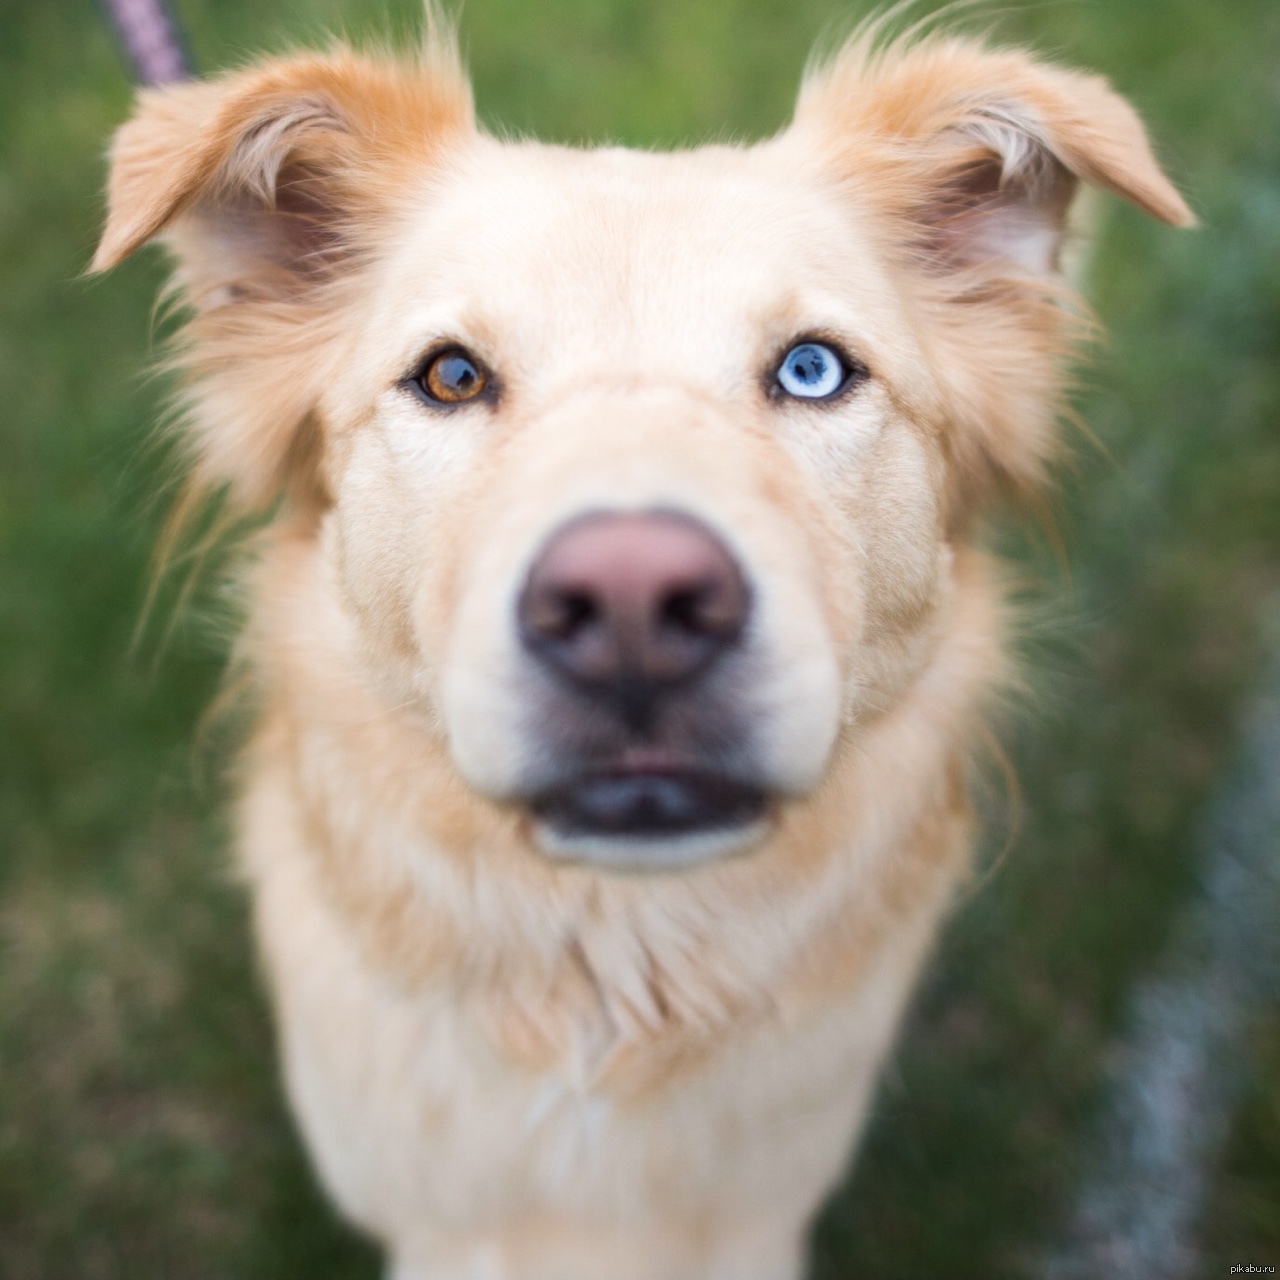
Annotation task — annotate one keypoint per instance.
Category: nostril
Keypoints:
(560, 615)
(682, 610)
(579, 611)
(713, 609)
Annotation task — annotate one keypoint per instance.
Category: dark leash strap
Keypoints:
(151, 40)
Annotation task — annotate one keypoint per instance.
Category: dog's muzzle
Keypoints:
(631, 617)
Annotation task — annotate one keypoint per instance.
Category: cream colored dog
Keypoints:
(619, 636)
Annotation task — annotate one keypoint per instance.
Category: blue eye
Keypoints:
(811, 371)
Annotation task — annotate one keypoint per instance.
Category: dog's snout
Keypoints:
(631, 603)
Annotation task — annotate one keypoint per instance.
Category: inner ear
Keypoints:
(274, 223)
(308, 224)
(1004, 199)
(295, 235)
(287, 178)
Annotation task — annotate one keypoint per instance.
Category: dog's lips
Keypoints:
(646, 804)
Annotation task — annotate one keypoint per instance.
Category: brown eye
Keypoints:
(452, 377)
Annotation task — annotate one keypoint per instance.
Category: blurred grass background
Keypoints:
(142, 1132)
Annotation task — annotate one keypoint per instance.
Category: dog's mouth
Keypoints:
(648, 818)
(649, 805)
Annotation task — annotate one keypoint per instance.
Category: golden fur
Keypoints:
(508, 1064)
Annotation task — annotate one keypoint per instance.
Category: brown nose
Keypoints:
(629, 604)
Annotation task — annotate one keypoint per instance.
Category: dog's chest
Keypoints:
(413, 1110)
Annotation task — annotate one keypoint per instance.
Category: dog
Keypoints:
(619, 634)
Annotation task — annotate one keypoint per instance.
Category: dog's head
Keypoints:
(639, 474)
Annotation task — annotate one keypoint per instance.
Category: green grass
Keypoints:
(141, 1128)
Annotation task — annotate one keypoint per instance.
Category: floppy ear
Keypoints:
(968, 161)
(271, 186)
(280, 160)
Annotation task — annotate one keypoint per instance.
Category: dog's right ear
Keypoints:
(280, 168)
(270, 186)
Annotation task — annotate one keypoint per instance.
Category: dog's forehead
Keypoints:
(548, 241)
(614, 208)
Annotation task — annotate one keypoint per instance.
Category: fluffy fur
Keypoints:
(508, 1063)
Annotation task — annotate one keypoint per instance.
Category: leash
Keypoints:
(151, 39)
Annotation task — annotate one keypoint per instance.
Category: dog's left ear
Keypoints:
(982, 149)
(967, 161)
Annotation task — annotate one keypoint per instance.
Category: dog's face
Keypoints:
(639, 474)
(630, 562)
